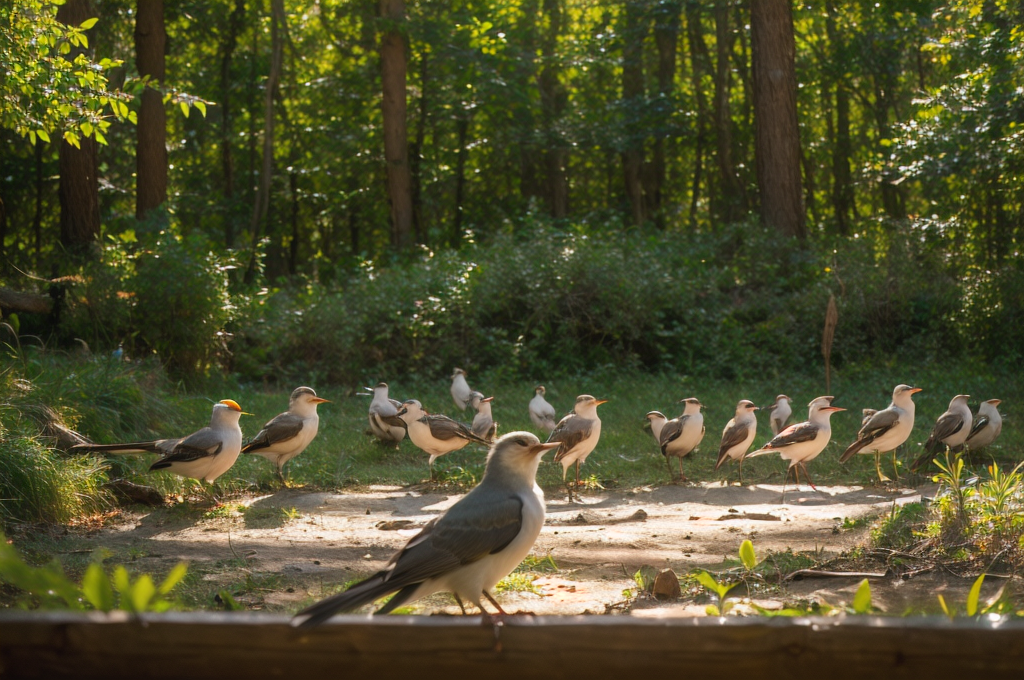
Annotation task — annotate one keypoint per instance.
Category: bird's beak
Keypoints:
(539, 449)
(600, 401)
(995, 402)
(487, 399)
(915, 390)
(833, 408)
(755, 408)
(320, 400)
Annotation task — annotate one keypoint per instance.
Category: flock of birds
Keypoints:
(487, 533)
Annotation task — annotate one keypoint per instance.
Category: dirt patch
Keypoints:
(287, 548)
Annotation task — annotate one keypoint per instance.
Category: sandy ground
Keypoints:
(294, 545)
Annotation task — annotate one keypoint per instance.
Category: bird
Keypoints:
(802, 442)
(885, 430)
(205, 454)
(780, 413)
(680, 436)
(950, 431)
(656, 422)
(483, 422)
(434, 433)
(480, 540)
(384, 421)
(577, 433)
(461, 392)
(738, 435)
(288, 434)
(866, 414)
(542, 414)
(987, 425)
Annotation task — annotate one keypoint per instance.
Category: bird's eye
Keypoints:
(521, 442)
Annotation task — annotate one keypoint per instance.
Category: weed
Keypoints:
(900, 528)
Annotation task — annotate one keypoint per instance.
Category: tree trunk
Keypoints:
(262, 203)
(633, 94)
(393, 107)
(79, 170)
(416, 154)
(776, 129)
(37, 215)
(553, 99)
(730, 192)
(666, 36)
(842, 149)
(698, 69)
(226, 133)
(151, 131)
(462, 132)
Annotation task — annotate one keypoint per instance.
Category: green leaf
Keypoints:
(945, 609)
(202, 108)
(862, 599)
(88, 23)
(43, 135)
(184, 108)
(87, 128)
(142, 593)
(712, 610)
(747, 555)
(121, 581)
(173, 578)
(97, 589)
(709, 582)
(973, 595)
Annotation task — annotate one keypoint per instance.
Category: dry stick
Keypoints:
(833, 574)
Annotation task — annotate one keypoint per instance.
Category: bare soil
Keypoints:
(285, 549)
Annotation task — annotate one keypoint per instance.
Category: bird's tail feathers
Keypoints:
(360, 594)
(854, 449)
(131, 447)
(760, 452)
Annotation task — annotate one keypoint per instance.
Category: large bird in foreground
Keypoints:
(738, 435)
(205, 454)
(885, 430)
(468, 549)
(801, 443)
(288, 434)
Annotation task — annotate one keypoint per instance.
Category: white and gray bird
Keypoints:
(779, 413)
(467, 550)
(988, 423)
(483, 422)
(205, 454)
(656, 421)
(434, 433)
(384, 421)
(288, 434)
(886, 430)
(866, 414)
(950, 431)
(801, 443)
(461, 391)
(578, 433)
(542, 414)
(680, 436)
(738, 435)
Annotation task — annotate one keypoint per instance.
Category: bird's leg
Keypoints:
(895, 470)
(808, 476)
(878, 467)
(495, 603)
(784, 480)
(796, 476)
(682, 477)
(577, 480)
(741, 471)
(671, 472)
(494, 620)
(280, 475)
(461, 605)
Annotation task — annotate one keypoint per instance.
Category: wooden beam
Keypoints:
(16, 301)
(252, 645)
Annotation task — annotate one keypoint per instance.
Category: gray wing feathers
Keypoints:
(571, 431)
(444, 428)
(947, 425)
(280, 428)
(733, 436)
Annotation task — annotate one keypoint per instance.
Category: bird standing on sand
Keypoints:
(542, 414)
(205, 454)
(738, 435)
(483, 422)
(950, 431)
(384, 421)
(461, 392)
(680, 436)
(886, 430)
(988, 423)
(577, 433)
(780, 413)
(801, 443)
(288, 434)
(467, 550)
(433, 433)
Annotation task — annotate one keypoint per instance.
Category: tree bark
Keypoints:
(633, 94)
(553, 99)
(731, 201)
(667, 24)
(151, 131)
(226, 132)
(393, 108)
(842, 149)
(776, 129)
(416, 153)
(698, 69)
(79, 169)
(462, 133)
(262, 203)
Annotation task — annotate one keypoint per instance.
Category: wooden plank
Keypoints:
(220, 645)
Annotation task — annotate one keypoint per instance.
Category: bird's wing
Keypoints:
(671, 432)
(281, 428)
(571, 430)
(947, 425)
(444, 428)
(733, 436)
(794, 434)
(392, 421)
(397, 404)
(878, 424)
(979, 424)
(465, 534)
(198, 445)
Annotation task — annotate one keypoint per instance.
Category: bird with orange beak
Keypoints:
(886, 430)
(288, 434)
(577, 433)
(205, 454)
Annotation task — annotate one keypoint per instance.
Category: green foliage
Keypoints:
(721, 590)
(48, 587)
(747, 555)
(862, 599)
(900, 527)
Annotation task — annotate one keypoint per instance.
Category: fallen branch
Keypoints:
(815, 573)
(33, 303)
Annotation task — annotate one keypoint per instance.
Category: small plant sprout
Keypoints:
(747, 555)
(862, 599)
(973, 606)
(719, 589)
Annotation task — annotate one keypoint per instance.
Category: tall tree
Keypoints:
(730, 191)
(699, 67)
(151, 131)
(554, 97)
(776, 129)
(667, 24)
(842, 182)
(393, 108)
(79, 169)
(634, 31)
(228, 47)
